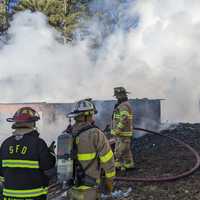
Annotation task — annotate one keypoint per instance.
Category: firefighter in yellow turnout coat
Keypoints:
(93, 154)
(122, 129)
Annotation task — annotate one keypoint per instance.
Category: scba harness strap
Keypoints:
(79, 173)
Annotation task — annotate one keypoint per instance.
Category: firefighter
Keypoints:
(122, 129)
(1, 186)
(24, 157)
(69, 127)
(93, 154)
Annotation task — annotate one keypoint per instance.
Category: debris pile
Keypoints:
(158, 156)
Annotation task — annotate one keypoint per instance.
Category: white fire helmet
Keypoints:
(83, 107)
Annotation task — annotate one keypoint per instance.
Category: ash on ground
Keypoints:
(159, 156)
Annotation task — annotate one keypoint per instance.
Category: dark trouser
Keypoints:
(43, 197)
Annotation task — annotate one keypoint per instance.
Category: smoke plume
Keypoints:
(151, 47)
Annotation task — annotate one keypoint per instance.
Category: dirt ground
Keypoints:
(159, 156)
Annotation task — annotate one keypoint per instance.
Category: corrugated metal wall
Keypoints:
(147, 113)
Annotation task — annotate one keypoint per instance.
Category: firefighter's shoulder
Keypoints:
(42, 142)
(125, 104)
(96, 129)
(6, 141)
(98, 133)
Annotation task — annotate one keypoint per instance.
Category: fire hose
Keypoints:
(166, 178)
(56, 188)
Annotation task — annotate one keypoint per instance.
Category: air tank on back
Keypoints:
(64, 158)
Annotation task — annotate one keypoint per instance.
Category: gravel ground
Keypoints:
(159, 156)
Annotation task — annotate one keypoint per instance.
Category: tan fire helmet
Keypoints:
(82, 107)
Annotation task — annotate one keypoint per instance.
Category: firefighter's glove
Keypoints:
(52, 147)
(109, 185)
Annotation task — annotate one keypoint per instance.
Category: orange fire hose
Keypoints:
(166, 178)
(56, 189)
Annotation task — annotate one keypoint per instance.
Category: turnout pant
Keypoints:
(123, 153)
(88, 194)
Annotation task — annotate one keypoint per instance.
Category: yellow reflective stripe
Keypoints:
(86, 156)
(129, 165)
(20, 164)
(117, 116)
(1, 179)
(85, 187)
(22, 161)
(82, 187)
(124, 113)
(113, 132)
(120, 133)
(110, 174)
(120, 125)
(129, 133)
(25, 193)
(106, 157)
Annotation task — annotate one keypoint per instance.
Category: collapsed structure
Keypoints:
(147, 112)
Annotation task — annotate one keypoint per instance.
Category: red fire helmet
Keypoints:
(25, 114)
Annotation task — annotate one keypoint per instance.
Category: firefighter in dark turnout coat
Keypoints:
(23, 159)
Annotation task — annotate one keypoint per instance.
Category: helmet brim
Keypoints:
(114, 95)
(35, 119)
(76, 114)
(72, 115)
(10, 119)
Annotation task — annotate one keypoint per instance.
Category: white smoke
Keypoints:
(158, 58)
(168, 43)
